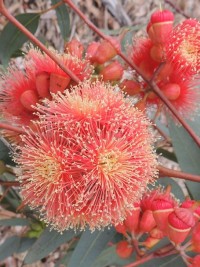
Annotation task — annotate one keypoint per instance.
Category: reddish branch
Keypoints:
(12, 128)
(177, 9)
(9, 184)
(5, 12)
(163, 172)
(151, 83)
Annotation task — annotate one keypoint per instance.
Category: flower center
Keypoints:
(48, 168)
(189, 51)
(109, 161)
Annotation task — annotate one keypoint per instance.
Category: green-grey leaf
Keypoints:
(14, 222)
(9, 247)
(187, 152)
(110, 257)
(15, 244)
(89, 247)
(46, 243)
(11, 38)
(62, 14)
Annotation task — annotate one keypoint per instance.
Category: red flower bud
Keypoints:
(180, 222)
(130, 87)
(132, 219)
(75, 48)
(147, 222)
(91, 50)
(124, 249)
(157, 53)
(42, 84)
(162, 205)
(171, 90)
(196, 239)
(162, 24)
(106, 51)
(195, 261)
(112, 72)
(29, 98)
(121, 228)
(157, 233)
(193, 205)
(58, 83)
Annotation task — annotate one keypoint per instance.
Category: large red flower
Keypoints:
(94, 155)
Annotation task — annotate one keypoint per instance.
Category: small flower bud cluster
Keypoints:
(160, 215)
(102, 55)
(171, 56)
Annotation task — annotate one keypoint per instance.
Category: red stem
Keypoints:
(177, 9)
(12, 128)
(9, 184)
(5, 12)
(163, 172)
(151, 83)
(149, 257)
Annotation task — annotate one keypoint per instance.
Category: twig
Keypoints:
(152, 84)
(177, 9)
(12, 128)
(163, 172)
(9, 184)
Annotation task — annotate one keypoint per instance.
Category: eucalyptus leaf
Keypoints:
(187, 152)
(46, 243)
(12, 39)
(90, 246)
(14, 222)
(62, 14)
(110, 257)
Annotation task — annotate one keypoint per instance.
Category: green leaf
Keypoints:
(14, 222)
(14, 244)
(62, 14)
(169, 261)
(46, 243)
(9, 247)
(89, 247)
(187, 152)
(110, 257)
(11, 38)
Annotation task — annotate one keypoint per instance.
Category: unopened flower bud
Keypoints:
(121, 228)
(195, 261)
(130, 87)
(105, 51)
(75, 48)
(180, 222)
(157, 233)
(147, 222)
(29, 98)
(171, 91)
(112, 72)
(193, 205)
(58, 83)
(91, 51)
(132, 219)
(196, 239)
(162, 23)
(42, 84)
(124, 249)
(162, 206)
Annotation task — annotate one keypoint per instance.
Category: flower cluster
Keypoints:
(160, 215)
(21, 90)
(87, 159)
(170, 55)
